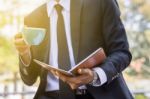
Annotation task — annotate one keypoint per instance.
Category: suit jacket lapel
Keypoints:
(76, 7)
(45, 23)
(48, 36)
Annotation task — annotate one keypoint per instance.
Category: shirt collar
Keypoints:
(52, 3)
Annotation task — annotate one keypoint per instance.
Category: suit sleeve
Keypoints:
(29, 73)
(115, 41)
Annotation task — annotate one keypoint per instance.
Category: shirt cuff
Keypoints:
(102, 76)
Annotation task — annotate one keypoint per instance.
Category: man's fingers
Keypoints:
(74, 82)
(19, 35)
(19, 41)
(68, 79)
(83, 71)
(73, 86)
(22, 48)
(53, 72)
(77, 81)
(62, 77)
(87, 72)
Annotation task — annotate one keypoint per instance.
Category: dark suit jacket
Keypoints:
(94, 24)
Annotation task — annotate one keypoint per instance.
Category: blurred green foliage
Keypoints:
(136, 18)
(8, 56)
(140, 96)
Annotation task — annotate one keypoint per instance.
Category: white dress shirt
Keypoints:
(52, 81)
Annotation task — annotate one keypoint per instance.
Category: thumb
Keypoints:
(19, 35)
(83, 71)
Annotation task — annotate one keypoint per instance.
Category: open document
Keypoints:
(94, 59)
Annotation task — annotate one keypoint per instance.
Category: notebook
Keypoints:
(94, 59)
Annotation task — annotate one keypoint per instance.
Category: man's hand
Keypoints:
(85, 77)
(22, 48)
(20, 44)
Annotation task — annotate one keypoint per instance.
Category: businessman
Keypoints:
(76, 28)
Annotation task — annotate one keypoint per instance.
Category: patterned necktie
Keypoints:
(63, 54)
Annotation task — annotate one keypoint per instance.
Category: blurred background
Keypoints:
(135, 16)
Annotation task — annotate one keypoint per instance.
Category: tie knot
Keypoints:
(58, 8)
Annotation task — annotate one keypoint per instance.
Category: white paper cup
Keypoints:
(33, 36)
